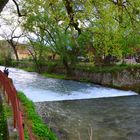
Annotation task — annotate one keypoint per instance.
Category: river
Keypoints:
(39, 88)
(81, 111)
(94, 119)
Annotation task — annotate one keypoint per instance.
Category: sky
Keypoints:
(9, 22)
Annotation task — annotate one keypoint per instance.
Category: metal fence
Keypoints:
(11, 93)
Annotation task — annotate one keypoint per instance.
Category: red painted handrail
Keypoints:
(11, 93)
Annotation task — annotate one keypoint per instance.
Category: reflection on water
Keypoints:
(94, 119)
(39, 88)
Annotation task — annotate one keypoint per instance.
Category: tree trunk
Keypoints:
(67, 67)
(2, 4)
(70, 12)
(14, 49)
(16, 54)
(37, 65)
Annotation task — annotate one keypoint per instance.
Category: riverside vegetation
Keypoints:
(111, 76)
(5, 113)
(40, 129)
(3, 124)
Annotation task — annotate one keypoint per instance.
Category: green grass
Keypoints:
(3, 124)
(7, 110)
(29, 69)
(39, 128)
(26, 136)
(87, 67)
(104, 69)
(53, 75)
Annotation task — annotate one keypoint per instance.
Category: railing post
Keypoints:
(21, 135)
(11, 94)
(14, 119)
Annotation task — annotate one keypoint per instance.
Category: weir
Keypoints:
(39, 89)
(79, 111)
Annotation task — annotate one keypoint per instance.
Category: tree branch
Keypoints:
(70, 13)
(18, 10)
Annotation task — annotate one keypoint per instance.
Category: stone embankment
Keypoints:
(127, 79)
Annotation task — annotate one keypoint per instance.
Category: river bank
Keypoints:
(125, 77)
(39, 88)
(3, 123)
(70, 105)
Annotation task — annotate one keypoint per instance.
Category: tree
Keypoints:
(114, 26)
(11, 40)
(5, 53)
(11, 32)
(2, 4)
(11, 27)
(107, 26)
(54, 28)
(37, 49)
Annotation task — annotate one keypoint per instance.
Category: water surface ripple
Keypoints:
(94, 119)
(39, 88)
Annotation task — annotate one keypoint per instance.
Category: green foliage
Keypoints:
(53, 75)
(39, 128)
(105, 69)
(26, 136)
(52, 30)
(3, 124)
(107, 29)
(29, 69)
(5, 53)
(7, 110)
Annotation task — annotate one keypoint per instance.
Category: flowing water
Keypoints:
(39, 88)
(94, 119)
(73, 111)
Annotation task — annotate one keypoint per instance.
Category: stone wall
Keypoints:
(127, 79)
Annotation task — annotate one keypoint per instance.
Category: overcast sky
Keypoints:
(9, 22)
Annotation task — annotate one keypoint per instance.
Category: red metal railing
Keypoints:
(11, 93)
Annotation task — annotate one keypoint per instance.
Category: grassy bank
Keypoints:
(105, 69)
(54, 75)
(41, 130)
(87, 67)
(3, 123)
(53, 72)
